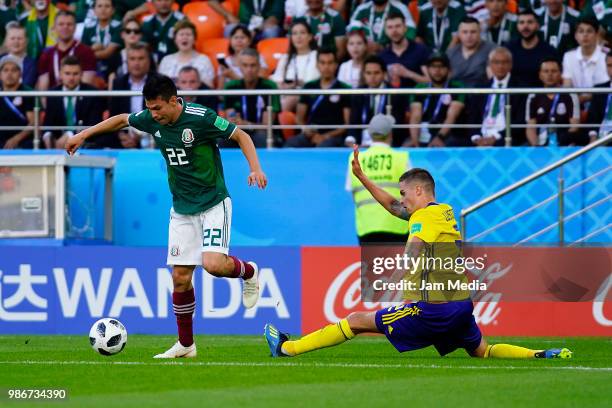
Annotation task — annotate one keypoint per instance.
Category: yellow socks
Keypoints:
(508, 351)
(330, 335)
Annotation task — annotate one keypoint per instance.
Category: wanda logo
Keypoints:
(344, 296)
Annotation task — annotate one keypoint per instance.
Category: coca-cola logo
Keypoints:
(486, 306)
(598, 303)
(344, 295)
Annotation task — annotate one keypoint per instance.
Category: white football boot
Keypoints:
(178, 351)
(250, 288)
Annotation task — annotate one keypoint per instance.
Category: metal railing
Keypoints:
(560, 196)
(269, 93)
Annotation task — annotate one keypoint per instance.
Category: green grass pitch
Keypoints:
(365, 372)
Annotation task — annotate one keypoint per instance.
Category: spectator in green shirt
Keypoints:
(602, 11)
(103, 35)
(253, 109)
(327, 26)
(263, 17)
(323, 109)
(558, 24)
(431, 109)
(438, 24)
(497, 24)
(157, 29)
(372, 15)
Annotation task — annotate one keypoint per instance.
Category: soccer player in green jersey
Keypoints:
(201, 216)
(440, 318)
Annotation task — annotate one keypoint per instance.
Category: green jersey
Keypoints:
(252, 108)
(559, 31)
(503, 32)
(326, 27)
(189, 146)
(437, 30)
(160, 34)
(93, 34)
(602, 10)
(374, 21)
(263, 8)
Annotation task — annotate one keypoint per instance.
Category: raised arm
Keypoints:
(385, 199)
(112, 124)
(256, 175)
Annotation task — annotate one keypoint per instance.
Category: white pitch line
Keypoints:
(302, 364)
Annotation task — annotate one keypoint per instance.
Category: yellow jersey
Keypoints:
(437, 275)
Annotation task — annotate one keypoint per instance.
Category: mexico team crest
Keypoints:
(187, 137)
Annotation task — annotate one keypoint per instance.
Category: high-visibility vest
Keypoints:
(383, 166)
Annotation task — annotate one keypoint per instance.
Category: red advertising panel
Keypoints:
(331, 290)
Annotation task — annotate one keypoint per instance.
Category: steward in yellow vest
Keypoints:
(384, 166)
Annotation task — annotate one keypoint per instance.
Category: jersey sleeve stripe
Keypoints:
(194, 113)
(232, 134)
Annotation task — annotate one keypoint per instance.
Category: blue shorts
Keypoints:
(446, 326)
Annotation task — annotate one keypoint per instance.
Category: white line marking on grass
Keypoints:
(302, 364)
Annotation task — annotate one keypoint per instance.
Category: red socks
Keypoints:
(242, 269)
(184, 306)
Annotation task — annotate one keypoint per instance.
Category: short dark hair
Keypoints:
(138, 46)
(159, 86)
(469, 20)
(189, 68)
(111, 1)
(528, 12)
(70, 60)
(550, 58)
(65, 13)
(249, 52)
(396, 15)
(325, 51)
(588, 21)
(375, 59)
(420, 175)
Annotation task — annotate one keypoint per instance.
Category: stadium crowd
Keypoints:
(316, 44)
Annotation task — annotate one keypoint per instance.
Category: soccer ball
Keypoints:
(108, 336)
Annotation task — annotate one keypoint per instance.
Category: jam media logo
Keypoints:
(22, 295)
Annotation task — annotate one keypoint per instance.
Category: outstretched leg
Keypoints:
(328, 336)
(486, 350)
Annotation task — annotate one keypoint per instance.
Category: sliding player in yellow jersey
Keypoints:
(445, 322)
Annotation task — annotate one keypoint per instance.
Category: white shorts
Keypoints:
(190, 235)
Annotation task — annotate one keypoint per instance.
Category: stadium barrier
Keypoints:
(270, 127)
(62, 290)
(285, 214)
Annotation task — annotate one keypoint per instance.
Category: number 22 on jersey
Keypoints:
(176, 156)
